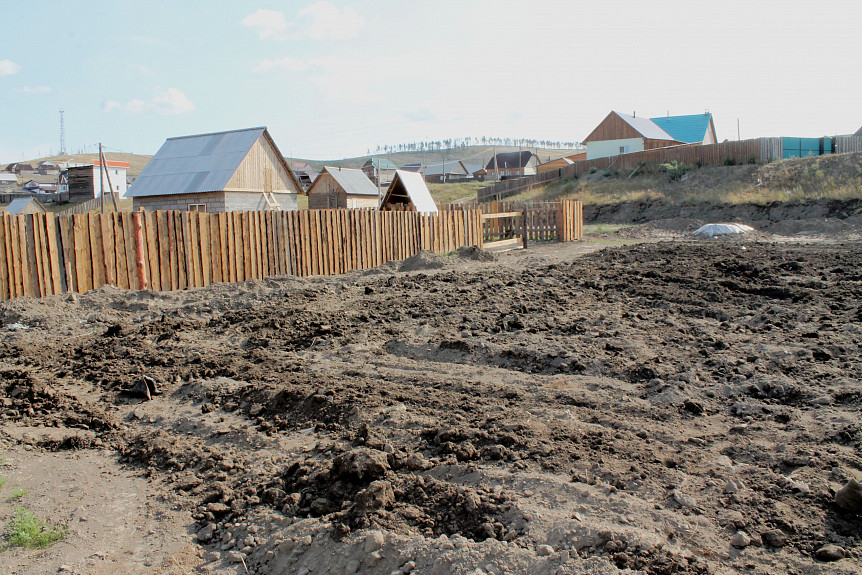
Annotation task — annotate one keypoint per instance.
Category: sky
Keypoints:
(333, 79)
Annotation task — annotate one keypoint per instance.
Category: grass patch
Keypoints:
(2, 482)
(448, 193)
(19, 493)
(27, 530)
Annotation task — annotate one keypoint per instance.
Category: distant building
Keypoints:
(342, 188)
(419, 168)
(218, 172)
(512, 165)
(83, 181)
(25, 206)
(47, 168)
(446, 172)
(305, 175)
(379, 170)
(8, 180)
(552, 165)
(18, 168)
(621, 133)
(408, 192)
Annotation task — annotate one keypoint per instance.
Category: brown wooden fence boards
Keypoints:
(45, 254)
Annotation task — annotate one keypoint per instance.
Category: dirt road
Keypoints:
(672, 407)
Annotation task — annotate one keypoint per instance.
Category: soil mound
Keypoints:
(424, 260)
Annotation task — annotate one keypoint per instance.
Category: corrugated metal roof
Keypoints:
(381, 164)
(688, 129)
(195, 164)
(454, 167)
(18, 205)
(416, 190)
(646, 127)
(353, 182)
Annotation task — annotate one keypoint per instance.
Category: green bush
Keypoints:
(729, 162)
(676, 170)
(593, 170)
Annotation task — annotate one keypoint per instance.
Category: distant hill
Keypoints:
(479, 155)
(136, 162)
(471, 155)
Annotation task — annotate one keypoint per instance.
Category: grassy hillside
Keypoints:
(835, 176)
(136, 161)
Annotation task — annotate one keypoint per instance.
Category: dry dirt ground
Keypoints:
(637, 403)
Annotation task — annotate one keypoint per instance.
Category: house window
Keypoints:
(197, 207)
(624, 149)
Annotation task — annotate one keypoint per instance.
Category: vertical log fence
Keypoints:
(48, 254)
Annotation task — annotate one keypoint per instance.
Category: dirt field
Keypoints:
(657, 407)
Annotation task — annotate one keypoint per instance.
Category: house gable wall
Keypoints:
(261, 170)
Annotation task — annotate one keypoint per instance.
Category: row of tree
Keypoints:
(450, 143)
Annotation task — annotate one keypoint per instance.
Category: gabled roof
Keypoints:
(200, 163)
(858, 132)
(510, 160)
(645, 127)
(380, 164)
(454, 167)
(687, 129)
(353, 182)
(413, 168)
(410, 186)
(19, 205)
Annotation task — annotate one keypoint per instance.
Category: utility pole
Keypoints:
(104, 162)
(101, 180)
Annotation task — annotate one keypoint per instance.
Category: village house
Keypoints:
(508, 165)
(559, 163)
(342, 188)
(621, 133)
(379, 170)
(218, 172)
(452, 170)
(83, 180)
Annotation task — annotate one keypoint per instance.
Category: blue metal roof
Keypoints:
(687, 129)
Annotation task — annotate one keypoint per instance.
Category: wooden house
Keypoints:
(379, 170)
(83, 181)
(559, 163)
(408, 192)
(219, 172)
(8, 180)
(507, 165)
(25, 206)
(47, 168)
(342, 188)
(18, 168)
(621, 133)
(449, 171)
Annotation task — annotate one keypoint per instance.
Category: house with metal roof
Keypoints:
(25, 206)
(621, 133)
(408, 192)
(444, 171)
(379, 170)
(342, 188)
(507, 165)
(218, 172)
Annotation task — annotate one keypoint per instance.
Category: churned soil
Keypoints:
(665, 407)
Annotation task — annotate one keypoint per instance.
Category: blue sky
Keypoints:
(335, 78)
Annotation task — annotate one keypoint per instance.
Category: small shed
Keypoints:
(408, 192)
(25, 206)
(342, 188)
(218, 172)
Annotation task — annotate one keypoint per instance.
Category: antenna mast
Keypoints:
(62, 134)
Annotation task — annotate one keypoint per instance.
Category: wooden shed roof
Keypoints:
(409, 188)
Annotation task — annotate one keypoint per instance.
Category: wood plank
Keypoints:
(219, 224)
(109, 249)
(206, 245)
(151, 230)
(97, 253)
(161, 225)
(67, 241)
(309, 243)
(233, 249)
(55, 254)
(28, 255)
(238, 249)
(166, 220)
(5, 292)
(120, 250)
(39, 254)
(83, 255)
(193, 257)
(129, 240)
(15, 257)
(47, 254)
(249, 246)
(8, 252)
(183, 256)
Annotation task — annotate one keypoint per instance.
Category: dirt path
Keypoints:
(569, 409)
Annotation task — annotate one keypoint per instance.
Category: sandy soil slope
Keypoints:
(664, 407)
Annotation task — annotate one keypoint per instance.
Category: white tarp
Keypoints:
(712, 230)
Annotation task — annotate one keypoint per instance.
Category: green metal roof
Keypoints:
(688, 129)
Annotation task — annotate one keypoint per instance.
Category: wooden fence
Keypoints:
(533, 221)
(93, 204)
(740, 152)
(45, 254)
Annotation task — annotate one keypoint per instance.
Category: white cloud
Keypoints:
(170, 102)
(8, 67)
(327, 22)
(36, 89)
(285, 64)
(268, 23)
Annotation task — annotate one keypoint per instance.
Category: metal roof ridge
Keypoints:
(217, 133)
